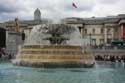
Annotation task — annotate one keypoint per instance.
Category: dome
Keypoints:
(37, 14)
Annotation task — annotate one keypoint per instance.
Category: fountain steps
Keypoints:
(59, 50)
(56, 63)
(53, 52)
(24, 49)
(51, 47)
(52, 56)
(55, 56)
(54, 60)
(46, 56)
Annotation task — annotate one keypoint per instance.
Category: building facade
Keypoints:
(25, 25)
(99, 30)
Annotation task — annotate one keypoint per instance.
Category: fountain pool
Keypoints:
(103, 72)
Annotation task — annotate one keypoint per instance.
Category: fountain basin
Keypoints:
(53, 46)
(54, 56)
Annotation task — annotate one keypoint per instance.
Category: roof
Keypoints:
(76, 20)
(2, 27)
(122, 21)
(93, 20)
(37, 11)
(28, 22)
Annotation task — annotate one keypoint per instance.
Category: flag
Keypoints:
(74, 5)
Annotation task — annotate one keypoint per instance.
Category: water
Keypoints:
(40, 33)
(103, 72)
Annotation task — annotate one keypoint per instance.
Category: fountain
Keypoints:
(54, 45)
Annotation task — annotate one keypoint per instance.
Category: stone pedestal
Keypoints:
(13, 40)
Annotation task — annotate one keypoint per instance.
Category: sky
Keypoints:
(55, 9)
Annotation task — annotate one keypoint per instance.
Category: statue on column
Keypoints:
(17, 25)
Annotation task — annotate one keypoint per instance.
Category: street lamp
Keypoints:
(90, 38)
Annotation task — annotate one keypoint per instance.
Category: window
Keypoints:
(109, 41)
(79, 29)
(93, 31)
(101, 41)
(94, 42)
(108, 31)
(102, 31)
(85, 31)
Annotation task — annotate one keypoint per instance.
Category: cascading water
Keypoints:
(37, 35)
(40, 32)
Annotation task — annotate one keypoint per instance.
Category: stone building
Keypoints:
(26, 25)
(99, 30)
(11, 31)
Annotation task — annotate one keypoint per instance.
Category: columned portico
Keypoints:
(121, 30)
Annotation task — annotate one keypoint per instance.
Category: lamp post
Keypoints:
(90, 38)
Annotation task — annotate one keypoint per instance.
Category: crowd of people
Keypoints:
(110, 58)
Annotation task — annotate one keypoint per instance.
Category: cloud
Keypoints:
(4, 8)
(108, 1)
(80, 7)
(24, 9)
(108, 8)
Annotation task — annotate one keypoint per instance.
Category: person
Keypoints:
(10, 56)
(0, 53)
(23, 35)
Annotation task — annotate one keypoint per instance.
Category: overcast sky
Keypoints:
(24, 9)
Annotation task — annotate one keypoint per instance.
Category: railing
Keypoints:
(109, 50)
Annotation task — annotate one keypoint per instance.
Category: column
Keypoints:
(115, 32)
(105, 35)
(82, 31)
(121, 31)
